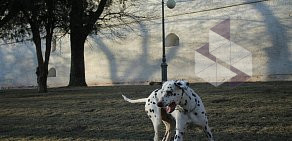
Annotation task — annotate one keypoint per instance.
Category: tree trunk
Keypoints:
(49, 31)
(77, 70)
(42, 81)
(42, 69)
(81, 24)
(78, 36)
(40, 72)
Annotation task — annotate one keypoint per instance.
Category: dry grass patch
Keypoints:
(251, 111)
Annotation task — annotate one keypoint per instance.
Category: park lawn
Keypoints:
(248, 112)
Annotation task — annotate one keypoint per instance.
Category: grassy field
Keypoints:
(249, 112)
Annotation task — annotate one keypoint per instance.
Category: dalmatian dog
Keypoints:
(176, 105)
(177, 95)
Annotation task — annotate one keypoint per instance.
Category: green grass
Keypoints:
(249, 112)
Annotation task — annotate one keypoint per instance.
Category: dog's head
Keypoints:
(171, 94)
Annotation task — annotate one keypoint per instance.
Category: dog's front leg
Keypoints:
(156, 125)
(181, 122)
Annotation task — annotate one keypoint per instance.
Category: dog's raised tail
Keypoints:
(135, 101)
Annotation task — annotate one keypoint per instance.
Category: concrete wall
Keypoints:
(261, 28)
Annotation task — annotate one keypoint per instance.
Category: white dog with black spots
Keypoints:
(176, 105)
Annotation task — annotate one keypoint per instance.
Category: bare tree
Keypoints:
(39, 15)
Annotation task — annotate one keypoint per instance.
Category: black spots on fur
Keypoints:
(148, 100)
(206, 122)
(194, 95)
(186, 102)
(182, 94)
(151, 110)
(198, 101)
(203, 112)
(176, 137)
(186, 111)
(190, 98)
(209, 134)
(149, 116)
(196, 113)
(152, 102)
(178, 83)
(169, 94)
(156, 92)
(182, 133)
(198, 105)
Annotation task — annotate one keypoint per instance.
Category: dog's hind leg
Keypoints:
(208, 132)
(200, 119)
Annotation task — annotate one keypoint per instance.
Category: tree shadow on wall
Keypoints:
(139, 69)
(17, 60)
(279, 62)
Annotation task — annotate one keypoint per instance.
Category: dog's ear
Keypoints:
(181, 84)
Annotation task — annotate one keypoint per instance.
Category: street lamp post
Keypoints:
(170, 4)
